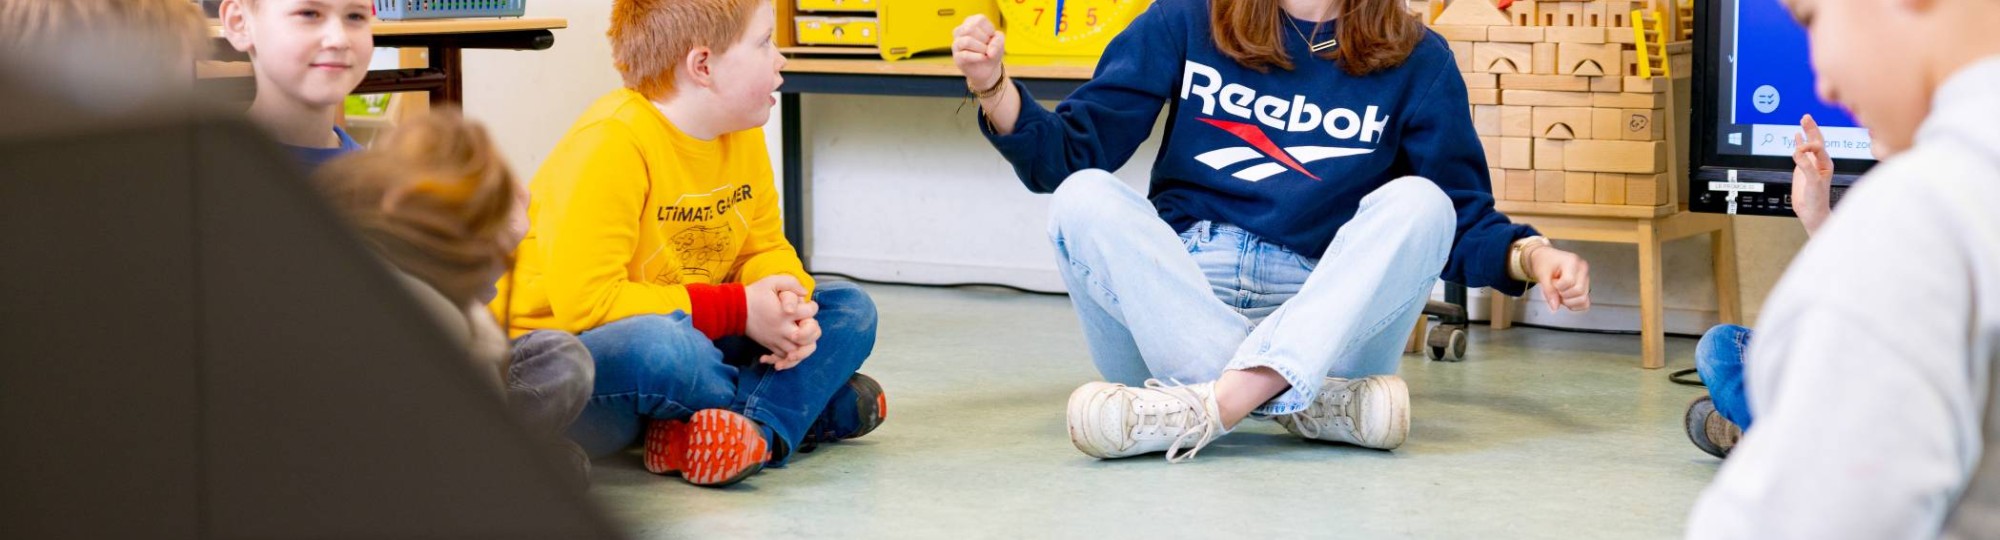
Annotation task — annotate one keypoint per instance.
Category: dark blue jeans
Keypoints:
(1719, 358)
(661, 367)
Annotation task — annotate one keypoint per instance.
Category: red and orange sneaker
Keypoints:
(715, 448)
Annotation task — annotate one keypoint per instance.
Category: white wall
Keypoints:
(905, 189)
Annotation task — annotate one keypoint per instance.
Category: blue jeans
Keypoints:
(1186, 307)
(661, 367)
(1719, 358)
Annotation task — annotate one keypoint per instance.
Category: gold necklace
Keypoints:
(1316, 47)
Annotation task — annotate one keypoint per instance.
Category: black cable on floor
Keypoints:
(1689, 376)
(962, 285)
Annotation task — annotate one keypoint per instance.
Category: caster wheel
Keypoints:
(1446, 344)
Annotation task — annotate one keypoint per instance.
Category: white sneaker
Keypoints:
(1109, 420)
(1370, 411)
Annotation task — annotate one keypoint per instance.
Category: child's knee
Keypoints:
(1719, 347)
(845, 306)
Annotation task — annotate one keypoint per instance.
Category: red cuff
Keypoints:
(719, 311)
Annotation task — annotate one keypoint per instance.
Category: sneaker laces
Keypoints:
(1308, 424)
(1198, 422)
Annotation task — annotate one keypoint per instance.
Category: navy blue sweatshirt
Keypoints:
(1286, 155)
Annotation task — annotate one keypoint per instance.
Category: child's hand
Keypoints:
(768, 322)
(1565, 278)
(977, 49)
(1812, 176)
(805, 334)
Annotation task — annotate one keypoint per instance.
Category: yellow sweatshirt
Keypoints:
(630, 216)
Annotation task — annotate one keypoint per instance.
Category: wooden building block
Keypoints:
(1569, 14)
(1594, 13)
(1645, 125)
(1515, 34)
(1549, 186)
(1461, 52)
(1610, 83)
(1549, 154)
(1605, 121)
(1522, 13)
(1544, 58)
(1579, 187)
(1545, 98)
(1517, 153)
(1629, 100)
(1520, 184)
(1646, 189)
(1563, 83)
(1630, 58)
(1471, 13)
(1594, 60)
(1492, 57)
(1486, 119)
(1621, 36)
(1461, 32)
(1563, 123)
(1481, 80)
(1517, 121)
(1597, 155)
(1483, 96)
(1655, 85)
(1578, 34)
(1610, 189)
(1491, 144)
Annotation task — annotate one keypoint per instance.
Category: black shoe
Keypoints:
(856, 409)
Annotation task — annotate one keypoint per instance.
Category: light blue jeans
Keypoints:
(1186, 307)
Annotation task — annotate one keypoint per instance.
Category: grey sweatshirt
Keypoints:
(1872, 375)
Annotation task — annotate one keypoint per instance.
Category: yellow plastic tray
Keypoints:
(816, 30)
(837, 5)
(913, 26)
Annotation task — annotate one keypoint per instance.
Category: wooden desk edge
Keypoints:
(857, 66)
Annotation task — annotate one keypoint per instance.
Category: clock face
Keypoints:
(1066, 27)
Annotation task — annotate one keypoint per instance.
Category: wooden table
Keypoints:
(444, 40)
(1649, 228)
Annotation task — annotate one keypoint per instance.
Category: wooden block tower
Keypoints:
(1574, 100)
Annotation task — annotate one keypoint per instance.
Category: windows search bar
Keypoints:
(1841, 142)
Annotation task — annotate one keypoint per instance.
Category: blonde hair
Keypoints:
(649, 38)
(433, 198)
(171, 28)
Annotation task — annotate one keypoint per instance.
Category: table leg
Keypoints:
(447, 60)
(792, 148)
(1652, 308)
(1728, 296)
(1502, 308)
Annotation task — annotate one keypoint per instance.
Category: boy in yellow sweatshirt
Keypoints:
(655, 235)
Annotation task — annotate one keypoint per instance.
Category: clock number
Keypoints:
(1091, 14)
(1038, 16)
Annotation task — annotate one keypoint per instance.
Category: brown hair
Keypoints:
(1374, 34)
(172, 28)
(433, 198)
(650, 38)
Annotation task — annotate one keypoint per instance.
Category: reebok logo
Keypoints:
(1203, 83)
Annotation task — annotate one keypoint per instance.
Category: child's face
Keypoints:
(316, 51)
(1867, 63)
(747, 74)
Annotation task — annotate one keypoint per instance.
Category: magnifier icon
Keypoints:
(1769, 138)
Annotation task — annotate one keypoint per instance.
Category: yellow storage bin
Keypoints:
(861, 31)
(913, 26)
(837, 5)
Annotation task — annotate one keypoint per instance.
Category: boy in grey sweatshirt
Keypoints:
(1873, 377)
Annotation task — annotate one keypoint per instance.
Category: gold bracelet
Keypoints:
(995, 89)
(1523, 248)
